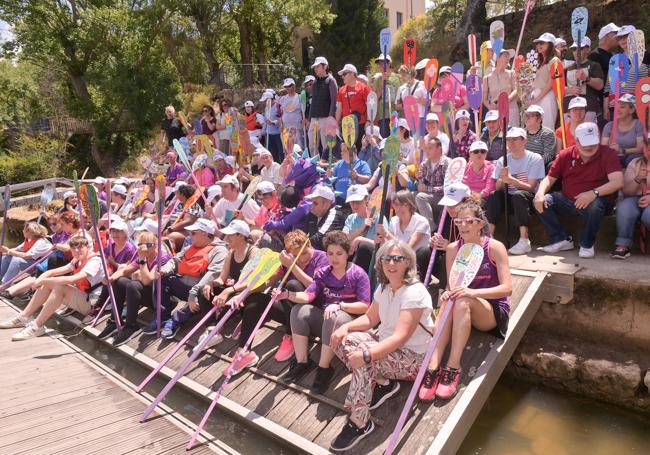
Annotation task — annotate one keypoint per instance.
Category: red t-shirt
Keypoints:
(570, 140)
(578, 176)
(357, 97)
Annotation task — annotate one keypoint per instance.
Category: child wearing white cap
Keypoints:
(254, 120)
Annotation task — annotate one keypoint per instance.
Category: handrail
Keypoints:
(37, 184)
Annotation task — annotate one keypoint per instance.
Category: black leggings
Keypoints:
(136, 295)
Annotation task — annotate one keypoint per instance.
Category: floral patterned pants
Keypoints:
(401, 364)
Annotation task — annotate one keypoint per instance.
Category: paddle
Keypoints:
(240, 353)
(186, 163)
(303, 109)
(579, 25)
(636, 50)
(617, 76)
(384, 45)
(330, 138)
(267, 114)
(5, 206)
(497, 35)
(371, 107)
(530, 4)
(642, 93)
(46, 197)
(409, 51)
(382, 213)
(93, 207)
(559, 87)
(412, 115)
(75, 183)
(474, 87)
(184, 122)
(393, 123)
(462, 273)
(28, 269)
(316, 132)
(471, 48)
(349, 130)
(484, 57)
(454, 174)
(503, 104)
(160, 208)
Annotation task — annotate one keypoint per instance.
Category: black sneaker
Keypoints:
(621, 252)
(383, 393)
(322, 380)
(5, 295)
(297, 370)
(109, 330)
(126, 334)
(350, 436)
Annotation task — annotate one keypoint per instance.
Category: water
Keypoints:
(521, 418)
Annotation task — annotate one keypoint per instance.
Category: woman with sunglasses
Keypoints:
(478, 173)
(402, 310)
(543, 94)
(339, 293)
(464, 137)
(484, 304)
(208, 120)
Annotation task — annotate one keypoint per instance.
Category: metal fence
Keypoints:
(247, 75)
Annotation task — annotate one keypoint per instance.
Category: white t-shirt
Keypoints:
(406, 298)
(271, 174)
(38, 249)
(291, 110)
(92, 269)
(224, 209)
(418, 223)
(407, 151)
(401, 169)
(528, 167)
(418, 90)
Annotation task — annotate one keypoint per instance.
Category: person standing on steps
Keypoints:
(392, 82)
(323, 101)
(351, 100)
(291, 111)
(607, 42)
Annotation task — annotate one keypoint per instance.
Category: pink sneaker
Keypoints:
(248, 360)
(448, 385)
(429, 385)
(285, 351)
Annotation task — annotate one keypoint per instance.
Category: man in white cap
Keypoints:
(430, 181)
(228, 207)
(118, 196)
(291, 111)
(392, 83)
(270, 171)
(432, 126)
(413, 87)
(607, 43)
(577, 111)
(584, 78)
(351, 100)
(493, 136)
(590, 173)
(324, 215)
(100, 185)
(540, 139)
(272, 125)
(323, 100)
(561, 46)
(524, 170)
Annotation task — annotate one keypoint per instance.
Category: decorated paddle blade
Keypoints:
(75, 181)
(642, 94)
(447, 89)
(503, 105)
(619, 67)
(142, 196)
(411, 112)
(349, 130)
(5, 200)
(466, 265)
(474, 87)
(636, 50)
(484, 56)
(303, 101)
(391, 152)
(431, 74)
(409, 52)
(385, 40)
(458, 72)
(371, 106)
(183, 120)
(497, 36)
(92, 202)
(455, 172)
(180, 151)
(579, 23)
(557, 77)
(47, 195)
(161, 188)
(471, 48)
(393, 122)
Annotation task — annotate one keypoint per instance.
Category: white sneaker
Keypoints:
(30, 331)
(556, 247)
(218, 338)
(586, 253)
(16, 322)
(62, 309)
(521, 247)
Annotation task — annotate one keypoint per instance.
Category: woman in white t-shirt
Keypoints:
(34, 247)
(403, 310)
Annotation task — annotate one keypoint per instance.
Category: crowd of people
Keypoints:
(277, 175)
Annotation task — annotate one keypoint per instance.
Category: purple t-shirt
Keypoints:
(60, 237)
(164, 257)
(125, 256)
(353, 287)
(318, 260)
(175, 172)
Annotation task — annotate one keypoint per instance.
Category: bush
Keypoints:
(35, 158)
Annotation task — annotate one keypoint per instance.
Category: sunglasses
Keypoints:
(476, 152)
(469, 221)
(396, 258)
(148, 245)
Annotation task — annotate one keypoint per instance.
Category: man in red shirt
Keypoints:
(590, 173)
(351, 99)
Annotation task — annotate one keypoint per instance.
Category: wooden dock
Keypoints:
(308, 422)
(55, 400)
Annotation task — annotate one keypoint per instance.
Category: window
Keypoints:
(386, 13)
(398, 19)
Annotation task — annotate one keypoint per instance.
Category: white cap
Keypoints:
(363, 77)
(213, 191)
(119, 189)
(403, 123)
(249, 103)
(381, 58)
(491, 116)
(297, 148)
(356, 193)
(125, 181)
(68, 194)
(488, 44)
(510, 52)
(455, 193)
(308, 78)
(148, 225)
(628, 98)
(432, 116)
(263, 151)
(625, 30)
(463, 113)
(100, 180)
(321, 191)
(584, 42)
(444, 69)
(288, 82)
(114, 217)
(545, 38)
(607, 29)
(516, 132)
(218, 156)
(478, 145)
(578, 101)
(236, 227)
(559, 41)
(200, 161)
(535, 109)
(178, 184)
(267, 96)
(230, 161)
(587, 134)
(228, 180)
(120, 225)
(348, 68)
(265, 187)
(320, 61)
(372, 130)
(204, 225)
(421, 64)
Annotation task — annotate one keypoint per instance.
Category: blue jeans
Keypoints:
(12, 266)
(560, 205)
(628, 213)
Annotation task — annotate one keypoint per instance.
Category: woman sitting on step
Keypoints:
(402, 309)
(34, 247)
(484, 304)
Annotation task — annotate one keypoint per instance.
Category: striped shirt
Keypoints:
(542, 143)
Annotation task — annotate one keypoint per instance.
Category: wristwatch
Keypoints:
(141, 262)
(596, 192)
(366, 356)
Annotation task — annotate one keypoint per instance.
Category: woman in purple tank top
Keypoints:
(482, 305)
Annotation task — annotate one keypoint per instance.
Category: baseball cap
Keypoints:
(478, 145)
(263, 151)
(403, 123)
(213, 191)
(607, 29)
(545, 38)
(267, 96)
(584, 42)
(265, 187)
(120, 225)
(230, 161)
(204, 225)
(178, 184)
(124, 181)
(68, 194)
(288, 82)
(421, 64)
(308, 78)
(100, 180)
(587, 134)
(218, 156)
(455, 193)
(559, 41)
(228, 180)
(321, 191)
(236, 227)
(320, 61)
(119, 189)
(363, 77)
(249, 103)
(356, 193)
(578, 101)
(444, 69)
(381, 58)
(373, 130)
(510, 52)
(535, 109)
(148, 225)
(628, 98)
(348, 68)
(625, 30)
(491, 116)
(516, 132)
(463, 113)
(432, 117)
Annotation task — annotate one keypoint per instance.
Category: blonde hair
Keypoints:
(147, 237)
(171, 109)
(411, 275)
(36, 230)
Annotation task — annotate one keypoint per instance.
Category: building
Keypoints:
(400, 11)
